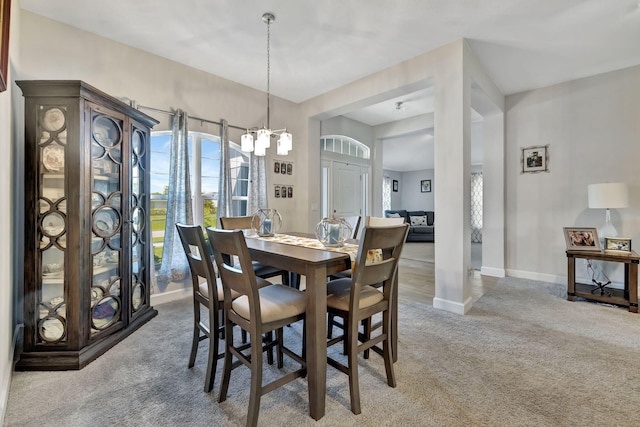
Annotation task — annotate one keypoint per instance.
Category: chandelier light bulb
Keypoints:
(246, 142)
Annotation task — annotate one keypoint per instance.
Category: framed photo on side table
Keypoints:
(582, 239)
(617, 244)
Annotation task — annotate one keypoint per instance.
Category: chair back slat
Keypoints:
(230, 244)
(354, 222)
(389, 240)
(236, 222)
(198, 256)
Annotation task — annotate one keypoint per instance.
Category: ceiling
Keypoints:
(317, 46)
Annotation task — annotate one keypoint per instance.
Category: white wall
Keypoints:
(413, 199)
(592, 127)
(8, 192)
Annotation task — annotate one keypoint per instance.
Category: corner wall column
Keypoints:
(452, 182)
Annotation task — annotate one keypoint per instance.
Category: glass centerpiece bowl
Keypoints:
(333, 232)
(266, 222)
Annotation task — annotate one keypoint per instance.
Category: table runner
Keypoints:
(374, 255)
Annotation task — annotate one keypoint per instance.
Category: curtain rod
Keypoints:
(190, 117)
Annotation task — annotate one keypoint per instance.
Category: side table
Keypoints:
(627, 297)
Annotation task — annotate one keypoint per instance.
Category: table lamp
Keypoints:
(609, 195)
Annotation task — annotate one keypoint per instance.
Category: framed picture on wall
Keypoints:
(535, 159)
(395, 185)
(425, 186)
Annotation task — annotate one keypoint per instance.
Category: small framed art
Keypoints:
(582, 239)
(395, 185)
(617, 244)
(425, 186)
(535, 159)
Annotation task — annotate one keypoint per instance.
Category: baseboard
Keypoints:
(541, 277)
(157, 299)
(452, 306)
(493, 272)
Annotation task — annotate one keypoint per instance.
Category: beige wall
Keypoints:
(593, 131)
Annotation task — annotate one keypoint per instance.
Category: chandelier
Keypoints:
(264, 134)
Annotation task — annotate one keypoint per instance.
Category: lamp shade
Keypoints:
(609, 195)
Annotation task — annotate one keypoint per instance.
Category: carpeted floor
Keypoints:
(522, 356)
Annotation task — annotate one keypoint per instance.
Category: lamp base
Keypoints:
(607, 229)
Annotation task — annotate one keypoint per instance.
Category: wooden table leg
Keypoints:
(316, 291)
(633, 286)
(571, 277)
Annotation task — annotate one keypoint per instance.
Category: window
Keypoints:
(344, 145)
(386, 193)
(204, 168)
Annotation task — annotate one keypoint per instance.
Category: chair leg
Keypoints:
(280, 343)
(366, 331)
(352, 360)
(330, 326)
(268, 338)
(228, 362)
(387, 349)
(196, 334)
(256, 383)
(212, 360)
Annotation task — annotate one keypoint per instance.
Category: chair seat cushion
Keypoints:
(204, 289)
(338, 294)
(277, 302)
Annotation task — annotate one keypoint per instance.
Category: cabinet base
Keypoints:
(63, 360)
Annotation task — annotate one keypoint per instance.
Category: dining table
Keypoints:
(315, 264)
(302, 254)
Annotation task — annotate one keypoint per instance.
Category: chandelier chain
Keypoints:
(268, 72)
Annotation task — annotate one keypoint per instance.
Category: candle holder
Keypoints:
(333, 232)
(266, 222)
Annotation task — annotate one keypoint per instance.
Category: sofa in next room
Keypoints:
(421, 224)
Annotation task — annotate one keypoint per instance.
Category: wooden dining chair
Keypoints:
(354, 222)
(207, 293)
(256, 311)
(358, 298)
(261, 270)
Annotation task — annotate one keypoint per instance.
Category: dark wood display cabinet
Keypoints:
(87, 229)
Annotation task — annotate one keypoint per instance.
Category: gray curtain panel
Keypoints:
(476, 207)
(225, 206)
(257, 184)
(179, 208)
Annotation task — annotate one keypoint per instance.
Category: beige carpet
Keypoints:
(522, 356)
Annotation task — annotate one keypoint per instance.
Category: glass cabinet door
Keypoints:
(52, 219)
(107, 221)
(139, 226)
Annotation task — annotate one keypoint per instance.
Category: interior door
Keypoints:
(346, 189)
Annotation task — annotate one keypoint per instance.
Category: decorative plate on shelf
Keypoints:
(53, 158)
(105, 131)
(53, 119)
